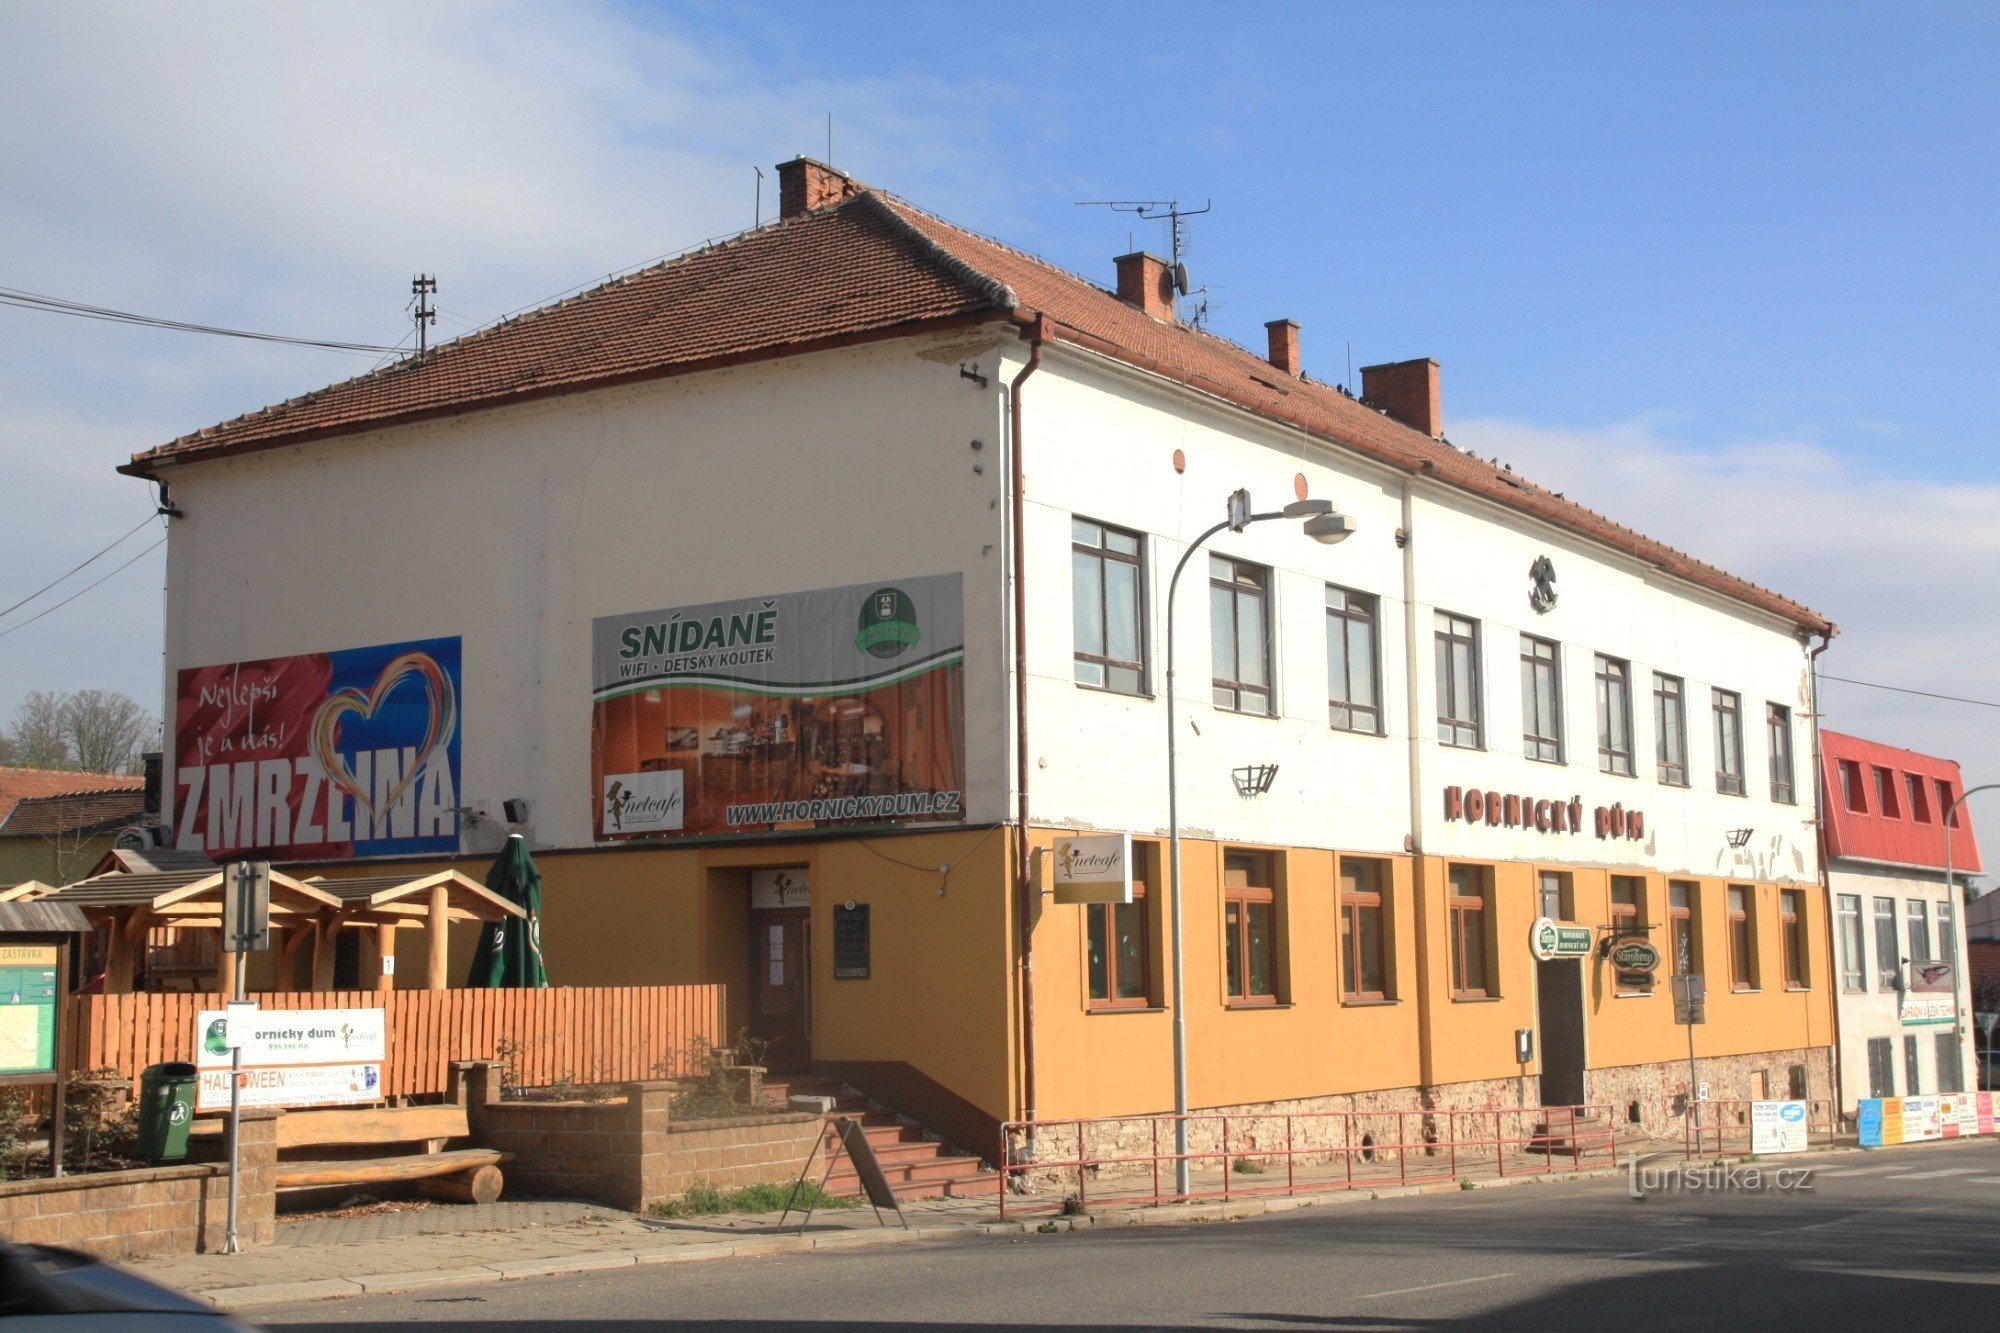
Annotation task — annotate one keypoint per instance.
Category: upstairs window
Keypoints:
(1107, 579)
(1353, 660)
(1239, 601)
(1670, 729)
(1920, 800)
(1541, 700)
(1778, 727)
(1888, 948)
(1614, 715)
(1885, 794)
(1851, 791)
(1728, 706)
(1920, 931)
(1853, 945)
(1457, 639)
(1945, 796)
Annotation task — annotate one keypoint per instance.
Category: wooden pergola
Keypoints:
(433, 902)
(304, 912)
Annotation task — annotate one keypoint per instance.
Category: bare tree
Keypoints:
(92, 731)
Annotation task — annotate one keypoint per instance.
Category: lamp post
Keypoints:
(1957, 914)
(1323, 525)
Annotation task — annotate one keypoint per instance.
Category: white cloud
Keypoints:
(1902, 564)
(288, 166)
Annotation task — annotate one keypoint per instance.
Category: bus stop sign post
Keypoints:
(246, 929)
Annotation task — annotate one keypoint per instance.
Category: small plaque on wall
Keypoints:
(850, 942)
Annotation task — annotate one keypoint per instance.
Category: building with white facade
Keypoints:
(803, 590)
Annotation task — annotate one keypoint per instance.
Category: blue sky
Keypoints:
(1724, 272)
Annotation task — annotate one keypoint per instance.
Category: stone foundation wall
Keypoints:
(626, 1152)
(151, 1211)
(1654, 1097)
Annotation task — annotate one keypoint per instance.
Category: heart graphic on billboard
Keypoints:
(362, 706)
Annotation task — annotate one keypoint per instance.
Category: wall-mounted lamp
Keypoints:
(1739, 837)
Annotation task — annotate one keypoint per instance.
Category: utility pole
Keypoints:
(421, 287)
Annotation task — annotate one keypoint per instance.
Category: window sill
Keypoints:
(1669, 782)
(1099, 1007)
(1798, 990)
(1356, 731)
(1633, 994)
(1741, 796)
(1746, 990)
(1475, 999)
(1553, 763)
(1455, 745)
(1614, 773)
(1355, 1002)
(1145, 695)
(1256, 1004)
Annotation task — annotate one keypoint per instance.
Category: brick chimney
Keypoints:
(1147, 282)
(1407, 391)
(1284, 345)
(806, 186)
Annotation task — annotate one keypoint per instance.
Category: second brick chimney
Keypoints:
(1146, 281)
(1284, 345)
(805, 186)
(1407, 391)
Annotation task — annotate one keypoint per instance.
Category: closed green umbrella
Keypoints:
(510, 950)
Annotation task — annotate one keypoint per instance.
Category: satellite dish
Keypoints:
(1181, 279)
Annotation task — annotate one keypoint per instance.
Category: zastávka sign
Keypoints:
(28, 997)
(292, 1057)
(841, 707)
(1777, 1127)
(1549, 938)
(1094, 869)
(325, 755)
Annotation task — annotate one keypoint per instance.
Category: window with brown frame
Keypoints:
(1628, 918)
(1364, 930)
(1250, 927)
(1120, 970)
(1239, 601)
(1728, 708)
(1554, 892)
(1471, 956)
(1742, 939)
(1670, 729)
(1778, 737)
(1684, 926)
(1792, 923)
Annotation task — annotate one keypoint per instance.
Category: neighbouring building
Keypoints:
(1904, 998)
(796, 596)
(55, 825)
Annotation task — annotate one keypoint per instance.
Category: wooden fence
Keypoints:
(597, 1034)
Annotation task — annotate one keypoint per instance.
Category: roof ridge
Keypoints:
(988, 286)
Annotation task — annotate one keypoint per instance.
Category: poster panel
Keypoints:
(325, 755)
(1777, 1127)
(28, 997)
(293, 1057)
(833, 708)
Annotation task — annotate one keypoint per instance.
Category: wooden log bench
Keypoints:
(463, 1175)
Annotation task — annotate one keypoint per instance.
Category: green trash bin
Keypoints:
(166, 1110)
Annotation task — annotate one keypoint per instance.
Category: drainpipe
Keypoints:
(1412, 637)
(1036, 335)
(1825, 873)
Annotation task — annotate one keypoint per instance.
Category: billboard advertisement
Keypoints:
(841, 707)
(293, 1057)
(323, 755)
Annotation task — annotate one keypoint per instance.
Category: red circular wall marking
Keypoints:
(1299, 485)
(1180, 461)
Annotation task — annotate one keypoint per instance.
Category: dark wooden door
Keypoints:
(781, 986)
(1559, 983)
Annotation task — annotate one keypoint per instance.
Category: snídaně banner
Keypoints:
(841, 707)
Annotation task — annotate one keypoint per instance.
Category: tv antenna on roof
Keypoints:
(1154, 210)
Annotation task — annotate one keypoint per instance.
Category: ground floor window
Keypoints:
(1913, 1083)
(1364, 929)
(1628, 919)
(1250, 927)
(1742, 939)
(1683, 899)
(1881, 1068)
(1118, 953)
(1948, 1063)
(1471, 903)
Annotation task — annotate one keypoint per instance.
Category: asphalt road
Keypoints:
(1889, 1239)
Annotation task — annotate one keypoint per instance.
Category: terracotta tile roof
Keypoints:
(872, 266)
(17, 784)
(84, 814)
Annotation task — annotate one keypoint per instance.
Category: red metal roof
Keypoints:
(873, 266)
(1904, 829)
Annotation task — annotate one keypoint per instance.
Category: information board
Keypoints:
(28, 1009)
(850, 942)
(1777, 1127)
(293, 1057)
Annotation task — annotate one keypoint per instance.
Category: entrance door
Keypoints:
(780, 989)
(1559, 983)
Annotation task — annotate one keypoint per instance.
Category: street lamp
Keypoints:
(1957, 914)
(1327, 527)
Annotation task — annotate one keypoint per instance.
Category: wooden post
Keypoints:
(325, 935)
(225, 974)
(385, 950)
(440, 938)
(118, 958)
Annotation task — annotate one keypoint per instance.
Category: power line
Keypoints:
(1899, 689)
(55, 305)
(85, 565)
(86, 588)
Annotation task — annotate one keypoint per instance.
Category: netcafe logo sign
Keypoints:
(643, 802)
(1506, 810)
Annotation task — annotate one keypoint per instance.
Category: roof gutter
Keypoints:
(1037, 333)
(1825, 872)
